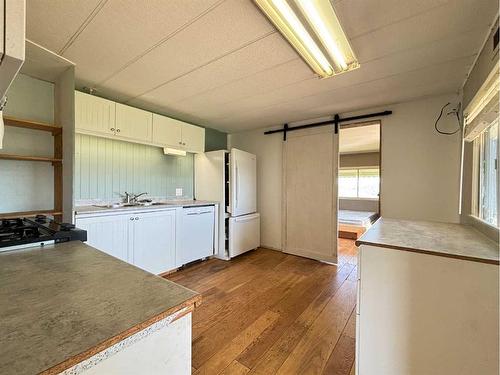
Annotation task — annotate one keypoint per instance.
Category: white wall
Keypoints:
(420, 168)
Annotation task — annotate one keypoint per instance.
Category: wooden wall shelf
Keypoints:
(30, 158)
(56, 161)
(27, 124)
(13, 215)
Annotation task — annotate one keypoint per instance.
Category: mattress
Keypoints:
(358, 218)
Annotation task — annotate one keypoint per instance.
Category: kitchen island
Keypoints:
(428, 300)
(69, 308)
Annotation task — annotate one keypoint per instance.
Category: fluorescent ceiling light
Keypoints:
(173, 151)
(314, 30)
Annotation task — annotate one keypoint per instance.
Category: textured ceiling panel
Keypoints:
(362, 16)
(359, 139)
(220, 63)
(254, 58)
(52, 23)
(211, 37)
(124, 29)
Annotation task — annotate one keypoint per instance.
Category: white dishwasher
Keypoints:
(197, 234)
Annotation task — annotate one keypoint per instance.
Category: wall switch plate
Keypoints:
(178, 192)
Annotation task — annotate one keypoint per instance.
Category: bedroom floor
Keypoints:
(267, 312)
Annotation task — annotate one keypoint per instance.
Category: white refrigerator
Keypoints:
(230, 177)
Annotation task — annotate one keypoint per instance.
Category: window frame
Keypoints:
(357, 169)
(477, 180)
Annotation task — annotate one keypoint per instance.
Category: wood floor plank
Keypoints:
(235, 368)
(223, 358)
(265, 312)
(313, 350)
(291, 306)
(213, 338)
(342, 358)
(272, 360)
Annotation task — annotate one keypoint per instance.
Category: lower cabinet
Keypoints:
(107, 233)
(152, 236)
(157, 241)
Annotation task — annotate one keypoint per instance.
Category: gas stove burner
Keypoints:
(39, 230)
(9, 223)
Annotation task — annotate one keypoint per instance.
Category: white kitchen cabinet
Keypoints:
(94, 115)
(167, 131)
(177, 134)
(152, 236)
(133, 123)
(196, 234)
(107, 233)
(193, 138)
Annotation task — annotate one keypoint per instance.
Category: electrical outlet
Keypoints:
(178, 192)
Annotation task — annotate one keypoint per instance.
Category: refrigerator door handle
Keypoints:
(237, 185)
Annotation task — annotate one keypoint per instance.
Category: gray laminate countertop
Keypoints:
(65, 302)
(443, 239)
(88, 210)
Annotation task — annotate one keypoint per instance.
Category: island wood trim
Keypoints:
(189, 304)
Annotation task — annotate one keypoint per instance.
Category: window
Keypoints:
(359, 183)
(486, 145)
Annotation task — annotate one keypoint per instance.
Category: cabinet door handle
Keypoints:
(136, 218)
(117, 130)
(131, 218)
(112, 129)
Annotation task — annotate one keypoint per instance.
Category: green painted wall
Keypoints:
(215, 140)
(27, 186)
(106, 167)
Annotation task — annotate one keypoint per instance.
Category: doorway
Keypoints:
(359, 178)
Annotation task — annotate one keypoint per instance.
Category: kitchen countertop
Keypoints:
(442, 239)
(82, 210)
(63, 303)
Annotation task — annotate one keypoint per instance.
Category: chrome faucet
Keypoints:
(129, 198)
(134, 198)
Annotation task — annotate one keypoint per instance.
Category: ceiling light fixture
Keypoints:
(314, 30)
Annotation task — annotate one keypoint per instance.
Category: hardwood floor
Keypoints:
(266, 312)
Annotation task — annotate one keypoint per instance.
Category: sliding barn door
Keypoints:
(310, 199)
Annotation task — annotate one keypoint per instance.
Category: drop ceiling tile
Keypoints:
(124, 29)
(254, 58)
(215, 102)
(51, 23)
(443, 22)
(361, 16)
(442, 52)
(225, 29)
(391, 90)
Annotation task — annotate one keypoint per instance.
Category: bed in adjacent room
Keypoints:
(353, 224)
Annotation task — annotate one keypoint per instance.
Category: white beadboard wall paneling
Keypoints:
(104, 168)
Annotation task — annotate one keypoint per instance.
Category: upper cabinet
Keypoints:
(94, 115)
(105, 118)
(133, 123)
(193, 138)
(177, 134)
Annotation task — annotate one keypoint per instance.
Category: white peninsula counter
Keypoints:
(428, 296)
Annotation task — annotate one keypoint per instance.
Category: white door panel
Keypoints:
(107, 233)
(244, 234)
(311, 168)
(153, 239)
(243, 178)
